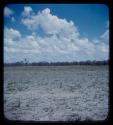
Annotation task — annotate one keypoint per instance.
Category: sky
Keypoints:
(56, 32)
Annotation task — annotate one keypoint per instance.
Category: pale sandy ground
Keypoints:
(56, 93)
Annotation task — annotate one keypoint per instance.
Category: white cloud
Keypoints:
(13, 19)
(27, 11)
(11, 33)
(8, 12)
(52, 48)
(50, 24)
(61, 42)
(46, 11)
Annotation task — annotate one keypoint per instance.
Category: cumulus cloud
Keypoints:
(50, 24)
(36, 48)
(27, 11)
(8, 12)
(61, 42)
(46, 11)
(11, 33)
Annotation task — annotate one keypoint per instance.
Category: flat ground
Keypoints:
(56, 93)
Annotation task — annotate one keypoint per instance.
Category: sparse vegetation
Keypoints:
(60, 93)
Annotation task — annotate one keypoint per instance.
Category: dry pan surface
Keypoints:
(56, 93)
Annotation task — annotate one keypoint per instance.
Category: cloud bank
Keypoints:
(52, 39)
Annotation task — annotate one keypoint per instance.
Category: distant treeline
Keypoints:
(24, 63)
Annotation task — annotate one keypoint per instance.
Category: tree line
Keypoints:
(88, 62)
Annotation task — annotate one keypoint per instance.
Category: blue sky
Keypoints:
(56, 32)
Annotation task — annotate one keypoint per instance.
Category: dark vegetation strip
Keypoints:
(26, 63)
